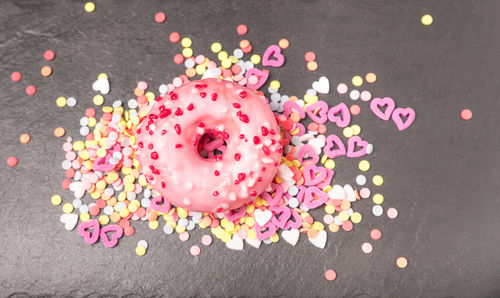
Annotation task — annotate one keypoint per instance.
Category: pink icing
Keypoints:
(168, 151)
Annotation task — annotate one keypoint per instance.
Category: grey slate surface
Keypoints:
(442, 174)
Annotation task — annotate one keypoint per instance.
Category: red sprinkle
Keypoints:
(190, 107)
(174, 38)
(49, 55)
(177, 129)
(256, 140)
(30, 90)
(12, 161)
(242, 29)
(160, 17)
(16, 76)
(237, 156)
(154, 155)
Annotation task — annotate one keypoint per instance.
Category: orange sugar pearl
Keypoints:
(284, 43)
(24, 138)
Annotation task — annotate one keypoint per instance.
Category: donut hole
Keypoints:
(211, 146)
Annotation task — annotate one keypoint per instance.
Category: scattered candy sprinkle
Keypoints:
(59, 132)
(242, 29)
(12, 161)
(16, 76)
(89, 7)
(427, 20)
(30, 90)
(466, 114)
(160, 17)
(24, 138)
(330, 275)
(49, 55)
(195, 250)
(401, 262)
(46, 71)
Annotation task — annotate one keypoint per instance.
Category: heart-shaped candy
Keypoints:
(377, 103)
(320, 240)
(345, 116)
(101, 85)
(88, 236)
(313, 174)
(328, 179)
(254, 242)
(399, 113)
(337, 192)
(116, 233)
(274, 52)
(352, 145)
(281, 215)
(265, 231)
(155, 205)
(278, 194)
(69, 220)
(333, 141)
(307, 151)
(262, 75)
(102, 164)
(236, 213)
(321, 116)
(236, 243)
(262, 217)
(295, 221)
(291, 106)
(291, 236)
(314, 197)
(322, 85)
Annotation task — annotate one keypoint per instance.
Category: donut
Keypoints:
(209, 145)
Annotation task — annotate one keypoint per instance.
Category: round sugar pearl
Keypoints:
(377, 210)
(367, 247)
(195, 250)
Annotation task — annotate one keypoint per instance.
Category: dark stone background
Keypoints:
(442, 174)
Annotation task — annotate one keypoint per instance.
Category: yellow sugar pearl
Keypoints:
(98, 100)
(61, 101)
(357, 81)
(330, 164)
(129, 187)
(122, 196)
(378, 198)
(101, 152)
(140, 250)
(426, 20)
(200, 69)
(56, 200)
(250, 221)
(95, 195)
(255, 59)
(364, 165)
(183, 213)
(84, 154)
(89, 7)
(107, 109)
(84, 217)
(67, 208)
(356, 217)
(330, 209)
(153, 225)
(92, 122)
(78, 145)
(226, 237)
(252, 234)
(324, 158)
(345, 204)
(274, 238)
(378, 180)
(343, 215)
(102, 75)
(186, 42)
(150, 95)
(356, 129)
(103, 219)
(348, 132)
(124, 212)
(100, 184)
(318, 226)
(226, 63)
(216, 47)
(187, 52)
(275, 85)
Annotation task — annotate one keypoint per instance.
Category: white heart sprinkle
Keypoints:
(253, 242)
(69, 220)
(322, 85)
(101, 85)
(320, 240)
(236, 243)
(78, 188)
(349, 192)
(262, 217)
(336, 193)
(291, 236)
(317, 144)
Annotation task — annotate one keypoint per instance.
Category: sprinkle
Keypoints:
(310, 56)
(342, 88)
(98, 100)
(330, 275)
(24, 138)
(49, 55)
(364, 165)
(184, 236)
(426, 20)
(30, 90)
(16, 76)
(12, 161)
(142, 243)
(89, 7)
(71, 101)
(46, 71)
(140, 250)
(401, 262)
(355, 110)
(375, 234)
(378, 199)
(466, 114)
(206, 240)
(160, 17)
(56, 200)
(392, 213)
(61, 101)
(371, 78)
(377, 180)
(59, 132)
(242, 29)
(174, 37)
(367, 247)
(186, 42)
(357, 81)
(312, 66)
(283, 43)
(195, 250)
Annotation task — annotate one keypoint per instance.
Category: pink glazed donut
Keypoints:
(209, 145)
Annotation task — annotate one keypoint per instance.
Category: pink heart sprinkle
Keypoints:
(345, 116)
(102, 164)
(314, 197)
(155, 205)
(236, 213)
(281, 215)
(310, 174)
(333, 141)
(296, 223)
(377, 103)
(311, 153)
(269, 230)
(323, 106)
(352, 145)
(328, 179)
(118, 233)
(291, 106)
(406, 112)
(273, 201)
(261, 74)
(300, 195)
(273, 51)
(83, 230)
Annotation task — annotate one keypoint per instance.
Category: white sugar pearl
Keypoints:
(354, 95)
(71, 101)
(361, 180)
(377, 210)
